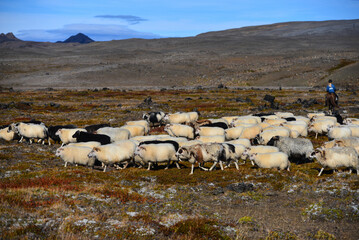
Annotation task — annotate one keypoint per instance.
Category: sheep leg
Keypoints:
(177, 165)
(49, 142)
(350, 171)
(214, 164)
(203, 168)
(65, 164)
(221, 165)
(320, 172)
(22, 137)
(149, 166)
(126, 164)
(30, 141)
(236, 164)
(39, 140)
(192, 169)
(252, 162)
(104, 170)
(316, 135)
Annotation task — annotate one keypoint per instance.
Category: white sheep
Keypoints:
(343, 142)
(142, 123)
(180, 130)
(311, 115)
(320, 127)
(284, 114)
(30, 131)
(242, 141)
(115, 133)
(135, 130)
(209, 131)
(7, 134)
(352, 121)
(251, 132)
(266, 135)
(193, 116)
(245, 120)
(179, 118)
(337, 157)
(189, 143)
(76, 155)
(301, 118)
(258, 149)
(321, 118)
(114, 153)
(233, 133)
(65, 134)
(275, 122)
(354, 129)
(271, 160)
(300, 126)
(156, 153)
(211, 139)
(339, 132)
(229, 119)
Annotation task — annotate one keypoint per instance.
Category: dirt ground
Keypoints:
(41, 199)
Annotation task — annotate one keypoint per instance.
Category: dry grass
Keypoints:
(39, 198)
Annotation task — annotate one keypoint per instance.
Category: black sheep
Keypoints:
(95, 127)
(89, 137)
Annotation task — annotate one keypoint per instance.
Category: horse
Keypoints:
(331, 102)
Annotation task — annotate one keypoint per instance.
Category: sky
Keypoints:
(105, 20)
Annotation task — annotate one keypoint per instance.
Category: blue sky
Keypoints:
(104, 20)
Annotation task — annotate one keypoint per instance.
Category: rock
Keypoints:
(269, 98)
(240, 187)
(218, 191)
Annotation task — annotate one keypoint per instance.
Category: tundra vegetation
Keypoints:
(41, 199)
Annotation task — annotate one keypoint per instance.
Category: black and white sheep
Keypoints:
(297, 149)
(7, 134)
(65, 134)
(154, 118)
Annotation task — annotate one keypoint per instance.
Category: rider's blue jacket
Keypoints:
(331, 89)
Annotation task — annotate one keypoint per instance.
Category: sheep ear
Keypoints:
(339, 143)
(96, 149)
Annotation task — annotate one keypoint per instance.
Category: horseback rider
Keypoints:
(331, 90)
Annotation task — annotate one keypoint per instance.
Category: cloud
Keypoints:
(129, 18)
(98, 32)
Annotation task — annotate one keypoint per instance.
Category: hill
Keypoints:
(8, 37)
(79, 38)
(292, 54)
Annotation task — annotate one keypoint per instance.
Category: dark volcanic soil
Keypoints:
(292, 54)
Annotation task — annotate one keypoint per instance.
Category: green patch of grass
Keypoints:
(274, 235)
(322, 235)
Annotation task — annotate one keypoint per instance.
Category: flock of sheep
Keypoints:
(267, 140)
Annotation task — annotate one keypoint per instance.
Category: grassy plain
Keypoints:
(40, 199)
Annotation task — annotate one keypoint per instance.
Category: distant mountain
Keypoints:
(78, 38)
(8, 37)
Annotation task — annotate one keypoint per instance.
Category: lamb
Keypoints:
(295, 148)
(179, 130)
(338, 132)
(271, 160)
(114, 153)
(344, 142)
(202, 153)
(337, 157)
(154, 118)
(135, 130)
(29, 131)
(155, 153)
(116, 134)
(76, 155)
(142, 123)
(65, 134)
(320, 127)
(209, 131)
(95, 127)
(53, 129)
(7, 134)
(233, 133)
(81, 136)
(266, 135)
(211, 139)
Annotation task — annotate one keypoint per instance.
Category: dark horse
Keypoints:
(331, 102)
